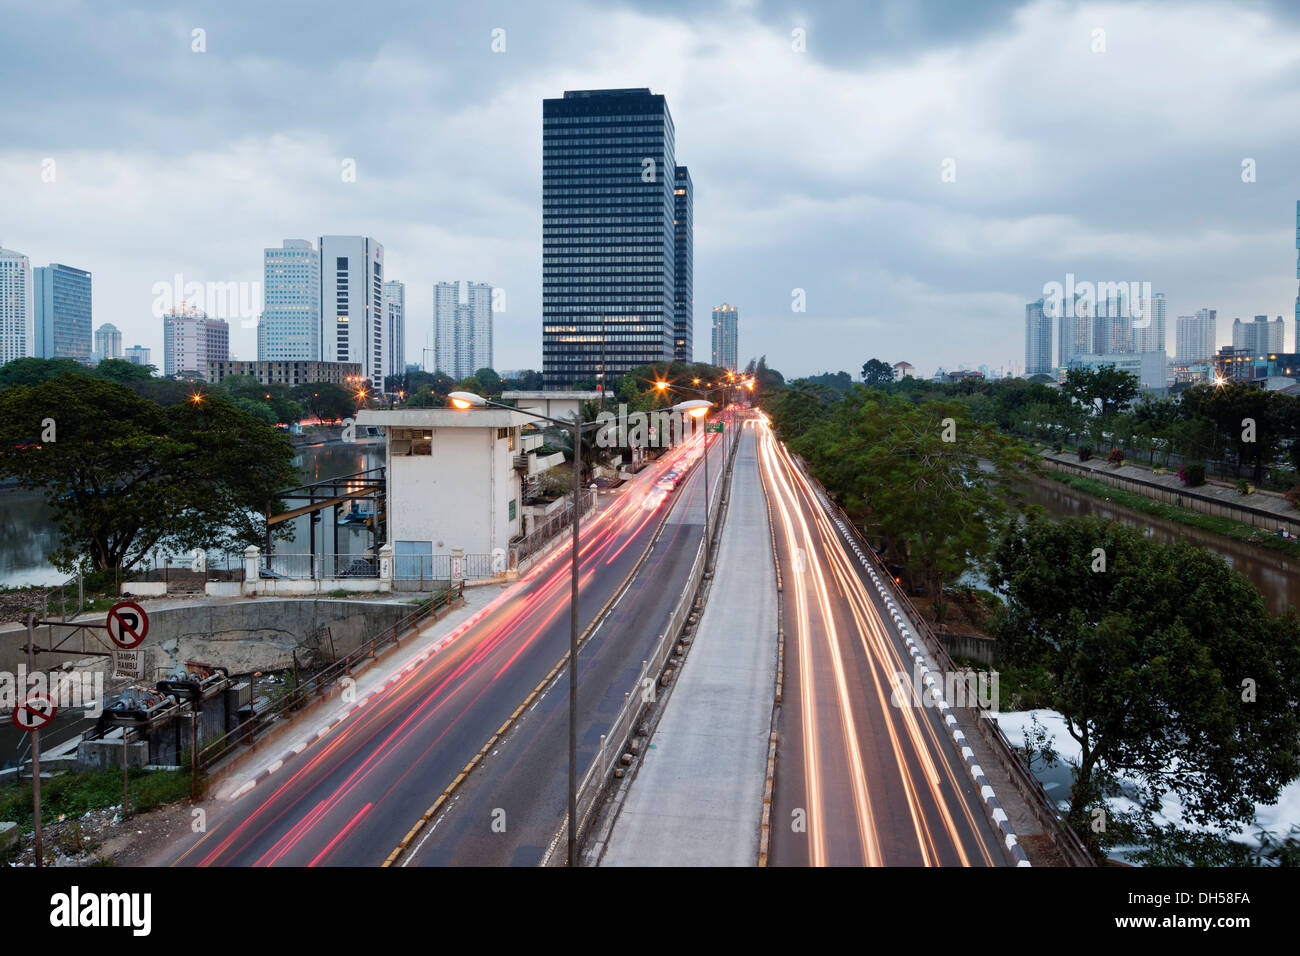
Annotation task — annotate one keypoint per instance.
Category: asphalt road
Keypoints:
(350, 797)
(859, 780)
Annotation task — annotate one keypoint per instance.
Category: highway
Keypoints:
(350, 797)
(859, 781)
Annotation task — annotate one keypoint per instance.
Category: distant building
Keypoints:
(1297, 272)
(684, 265)
(726, 335)
(108, 341)
(962, 374)
(1194, 337)
(395, 316)
(288, 372)
(138, 355)
(1239, 365)
(1151, 368)
(903, 370)
(462, 331)
(17, 319)
(192, 339)
(1038, 340)
(352, 304)
(1258, 336)
(290, 326)
(1147, 330)
(61, 309)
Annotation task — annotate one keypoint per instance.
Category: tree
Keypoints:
(33, 371)
(1104, 387)
(123, 475)
(877, 374)
(120, 370)
(1168, 670)
(325, 401)
(489, 381)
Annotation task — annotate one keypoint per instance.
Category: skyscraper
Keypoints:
(1038, 340)
(684, 266)
(290, 327)
(726, 331)
(17, 322)
(1194, 337)
(138, 355)
(108, 341)
(462, 331)
(1074, 332)
(1259, 336)
(608, 239)
(1148, 329)
(192, 339)
(395, 334)
(352, 304)
(61, 300)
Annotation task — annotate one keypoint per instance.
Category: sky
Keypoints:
(918, 170)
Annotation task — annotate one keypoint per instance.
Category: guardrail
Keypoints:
(313, 687)
(1042, 806)
(613, 742)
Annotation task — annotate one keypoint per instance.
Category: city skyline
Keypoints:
(858, 223)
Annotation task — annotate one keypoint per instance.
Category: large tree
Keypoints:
(1171, 675)
(124, 475)
(876, 373)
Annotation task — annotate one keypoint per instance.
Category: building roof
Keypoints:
(443, 418)
(553, 396)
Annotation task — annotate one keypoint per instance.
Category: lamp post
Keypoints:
(465, 400)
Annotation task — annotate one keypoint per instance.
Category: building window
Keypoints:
(411, 441)
(512, 509)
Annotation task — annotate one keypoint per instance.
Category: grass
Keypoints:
(1226, 527)
(73, 794)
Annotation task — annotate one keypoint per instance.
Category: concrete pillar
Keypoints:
(386, 567)
(252, 556)
(457, 565)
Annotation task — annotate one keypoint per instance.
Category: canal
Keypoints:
(28, 532)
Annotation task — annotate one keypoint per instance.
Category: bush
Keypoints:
(1116, 456)
(1057, 447)
(1085, 452)
(1193, 475)
(1244, 487)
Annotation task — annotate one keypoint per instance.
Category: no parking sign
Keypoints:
(34, 713)
(127, 624)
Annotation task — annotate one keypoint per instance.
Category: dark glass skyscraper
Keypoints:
(608, 239)
(684, 254)
(62, 312)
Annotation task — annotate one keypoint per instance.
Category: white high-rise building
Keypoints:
(108, 341)
(192, 339)
(1194, 337)
(1148, 328)
(1260, 336)
(726, 337)
(138, 355)
(17, 319)
(290, 326)
(462, 331)
(1038, 340)
(352, 304)
(395, 316)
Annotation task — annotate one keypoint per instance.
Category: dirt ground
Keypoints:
(103, 838)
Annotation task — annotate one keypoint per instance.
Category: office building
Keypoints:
(608, 238)
(395, 332)
(138, 355)
(61, 309)
(290, 327)
(1151, 368)
(1258, 336)
(1147, 329)
(684, 267)
(1038, 340)
(1194, 337)
(17, 322)
(352, 304)
(288, 372)
(726, 331)
(462, 331)
(108, 342)
(192, 339)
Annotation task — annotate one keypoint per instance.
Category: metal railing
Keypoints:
(314, 686)
(553, 525)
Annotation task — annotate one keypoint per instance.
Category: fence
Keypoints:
(553, 525)
(1042, 806)
(313, 687)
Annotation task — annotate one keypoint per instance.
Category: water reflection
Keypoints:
(28, 532)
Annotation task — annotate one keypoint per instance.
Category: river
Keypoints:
(28, 532)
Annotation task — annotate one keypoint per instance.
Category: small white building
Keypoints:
(557, 404)
(903, 370)
(454, 479)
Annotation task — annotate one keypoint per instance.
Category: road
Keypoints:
(859, 781)
(350, 797)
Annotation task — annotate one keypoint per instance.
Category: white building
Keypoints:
(138, 355)
(17, 318)
(1038, 340)
(726, 337)
(108, 341)
(1148, 328)
(290, 327)
(1194, 337)
(192, 339)
(904, 370)
(462, 331)
(395, 317)
(352, 304)
(557, 404)
(1151, 368)
(453, 480)
(1260, 336)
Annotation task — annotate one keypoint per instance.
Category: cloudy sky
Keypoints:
(1104, 140)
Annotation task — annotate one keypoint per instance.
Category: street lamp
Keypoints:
(466, 400)
(698, 408)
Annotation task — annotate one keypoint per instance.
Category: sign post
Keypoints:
(31, 715)
(127, 624)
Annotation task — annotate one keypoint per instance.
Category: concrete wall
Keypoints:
(242, 635)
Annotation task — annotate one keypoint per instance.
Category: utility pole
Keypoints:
(36, 749)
